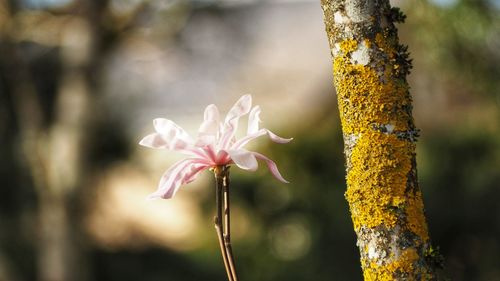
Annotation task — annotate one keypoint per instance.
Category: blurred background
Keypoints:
(82, 80)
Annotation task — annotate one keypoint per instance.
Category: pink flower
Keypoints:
(216, 145)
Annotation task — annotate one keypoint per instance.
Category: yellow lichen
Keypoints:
(348, 45)
(415, 216)
(369, 98)
(364, 97)
(402, 265)
(368, 43)
(377, 179)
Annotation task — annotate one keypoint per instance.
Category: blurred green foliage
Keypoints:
(462, 40)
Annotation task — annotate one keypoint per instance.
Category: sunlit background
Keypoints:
(81, 82)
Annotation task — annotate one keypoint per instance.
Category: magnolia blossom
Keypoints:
(216, 145)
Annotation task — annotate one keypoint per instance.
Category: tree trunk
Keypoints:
(370, 69)
(54, 148)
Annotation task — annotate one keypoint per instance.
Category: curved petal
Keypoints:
(210, 152)
(210, 124)
(239, 109)
(158, 141)
(170, 130)
(195, 171)
(154, 140)
(244, 159)
(205, 140)
(183, 171)
(253, 120)
(170, 136)
(211, 113)
(209, 128)
(168, 178)
(275, 138)
(222, 158)
(271, 166)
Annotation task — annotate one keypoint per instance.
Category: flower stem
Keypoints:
(222, 219)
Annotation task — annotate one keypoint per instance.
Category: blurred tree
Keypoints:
(50, 82)
(370, 69)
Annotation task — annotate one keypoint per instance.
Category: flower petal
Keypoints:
(195, 171)
(240, 108)
(168, 179)
(243, 141)
(211, 113)
(211, 121)
(170, 130)
(244, 159)
(170, 136)
(271, 166)
(154, 140)
(183, 171)
(159, 141)
(277, 138)
(222, 158)
(253, 120)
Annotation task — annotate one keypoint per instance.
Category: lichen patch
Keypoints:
(361, 55)
(359, 11)
(339, 18)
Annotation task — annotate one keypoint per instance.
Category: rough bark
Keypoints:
(370, 69)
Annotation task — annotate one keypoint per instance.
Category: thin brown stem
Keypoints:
(218, 229)
(222, 219)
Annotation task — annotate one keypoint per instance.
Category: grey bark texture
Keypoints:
(370, 69)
